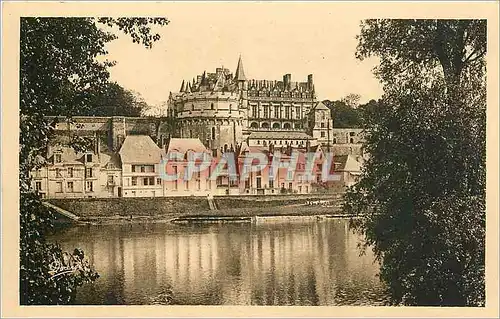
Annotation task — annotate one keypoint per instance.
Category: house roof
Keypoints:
(184, 145)
(346, 163)
(280, 135)
(110, 158)
(140, 149)
(68, 155)
(321, 106)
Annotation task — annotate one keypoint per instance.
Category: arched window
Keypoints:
(213, 133)
(254, 125)
(276, 125)
(265, 125)
(351, 140)
(287, 126)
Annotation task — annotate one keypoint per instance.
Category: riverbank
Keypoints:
(162, 210)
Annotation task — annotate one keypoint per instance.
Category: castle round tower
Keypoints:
(213, 117)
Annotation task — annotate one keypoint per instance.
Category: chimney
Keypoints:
(310, 82)
(287, 78)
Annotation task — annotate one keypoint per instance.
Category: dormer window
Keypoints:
(57, 158)
(89, 158)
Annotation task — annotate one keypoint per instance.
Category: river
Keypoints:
(309, 263)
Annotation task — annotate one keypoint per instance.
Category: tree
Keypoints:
(421, 197)
(115, 101)
(351, 100)
(59, 75)
(343, 114)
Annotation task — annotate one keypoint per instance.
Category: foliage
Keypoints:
(422, 192)
(343, 114)
(115, 101)
(60, 75)
(351, 100)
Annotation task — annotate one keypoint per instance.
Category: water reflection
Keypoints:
(314, 263)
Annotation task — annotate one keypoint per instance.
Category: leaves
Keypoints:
(343, 114)
(61, 75)
(422, 191)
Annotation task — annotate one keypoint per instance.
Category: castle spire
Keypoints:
(182, 86)
(240, 74)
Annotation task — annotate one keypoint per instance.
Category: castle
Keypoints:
(223, 110)
(214, 113)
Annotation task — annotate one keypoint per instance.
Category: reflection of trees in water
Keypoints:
(282, 264)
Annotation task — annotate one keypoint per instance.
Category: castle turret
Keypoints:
(240, 74)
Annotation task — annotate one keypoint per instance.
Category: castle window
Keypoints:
(230, 108)
(38, 186)
(352, 134)
(276, 111)
(212, 106)
(287, 126)
(322, 125)
(276, 125)
(254, 110)
(334, 141)
(351, 140)
(70, 171)
(57, 158)
(192, 107)
(258, 142)
(190, 133)
(254, 125)
(213, 133)
(297, 112)
(89, 157)
(322, 134)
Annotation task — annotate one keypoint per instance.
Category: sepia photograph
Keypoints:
(251, 154)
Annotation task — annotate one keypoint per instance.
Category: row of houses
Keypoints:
(140, 169)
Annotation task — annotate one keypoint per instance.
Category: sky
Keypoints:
(272, 39)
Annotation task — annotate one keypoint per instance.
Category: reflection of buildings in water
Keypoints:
(266, 265)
